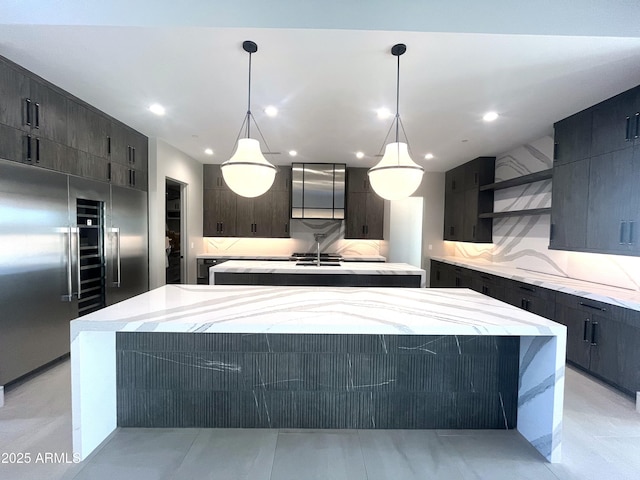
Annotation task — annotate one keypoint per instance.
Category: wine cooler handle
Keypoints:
(118, 264)
(78, 263)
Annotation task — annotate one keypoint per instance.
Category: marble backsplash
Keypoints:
(301, 240)
(522, 242)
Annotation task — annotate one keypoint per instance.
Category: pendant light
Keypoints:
(396, 176)
(247, 172)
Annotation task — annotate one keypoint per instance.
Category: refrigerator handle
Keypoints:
(69, 296)
(118, 269)
(78, 263)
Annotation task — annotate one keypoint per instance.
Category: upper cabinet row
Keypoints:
(44, 126)
(595, 197)
(227, 214)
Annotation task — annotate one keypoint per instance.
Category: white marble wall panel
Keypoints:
(301, 240)
(522, 242)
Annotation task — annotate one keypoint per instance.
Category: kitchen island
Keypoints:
(291, 273)
(316, 357)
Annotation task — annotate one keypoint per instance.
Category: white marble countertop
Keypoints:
(594, 291)
(344, 310)
(349, 258)
(345, 268)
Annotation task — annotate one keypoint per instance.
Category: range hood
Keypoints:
(318, 190)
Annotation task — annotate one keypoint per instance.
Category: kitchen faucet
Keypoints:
(318, 237)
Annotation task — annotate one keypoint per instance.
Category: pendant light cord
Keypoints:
(397, 98)
(249, 102)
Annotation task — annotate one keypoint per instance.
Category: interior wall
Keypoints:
(432, 191)
(166, 161)
(522, 242)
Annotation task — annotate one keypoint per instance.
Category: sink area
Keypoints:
(313, 263)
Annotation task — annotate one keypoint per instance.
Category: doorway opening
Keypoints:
(174, 232)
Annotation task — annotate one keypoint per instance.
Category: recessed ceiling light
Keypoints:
(271, 111)
(490, 116)
(208, 151)
(157, 109)
(359, 154)
(293, 153)
(383, 113)
(428, 156)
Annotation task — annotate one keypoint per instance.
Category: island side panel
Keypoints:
(541, 393)
(93, 389)
(220, 380)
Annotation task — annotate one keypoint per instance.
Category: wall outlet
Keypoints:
(430, 247)
(191, 244)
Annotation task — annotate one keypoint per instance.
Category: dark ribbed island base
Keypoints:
(317, 279)
(316, 381)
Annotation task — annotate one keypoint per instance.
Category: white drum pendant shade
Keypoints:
(396, 176)
(247, 172)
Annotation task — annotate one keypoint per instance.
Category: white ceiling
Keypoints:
(326, 83)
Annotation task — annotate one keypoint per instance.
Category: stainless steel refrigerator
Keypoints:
(68, 246)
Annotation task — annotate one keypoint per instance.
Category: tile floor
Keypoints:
(601, 440)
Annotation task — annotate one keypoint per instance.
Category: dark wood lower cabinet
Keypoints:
(602, 339)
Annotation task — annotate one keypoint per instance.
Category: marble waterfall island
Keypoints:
(316, 357)
(343, 274)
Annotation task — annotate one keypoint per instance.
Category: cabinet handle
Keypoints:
(555, 150)
(584, 331)
(286, 228)
(631, 233)
(37, 115)
(637, 129)
(627, 135)
(595, 307)
(133, 155)
(367, 229)
(473, 232)
(133, 175)
(528, 289)
(621, 239)
(27, 106)
(594, 339)
(221, 227)
(522, 300)
(37, 150)
(363, 229)
(27, 139)
(108, 145)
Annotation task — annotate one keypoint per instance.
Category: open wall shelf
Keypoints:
(523, 180)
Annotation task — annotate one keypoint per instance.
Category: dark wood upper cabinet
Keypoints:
(465, 201)
(570, 193)
(227, 214)
(572, 138)
(615, 123)
(44, 126)
(364, 218)
(595, 198)
(610, 228)
(14, 89)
